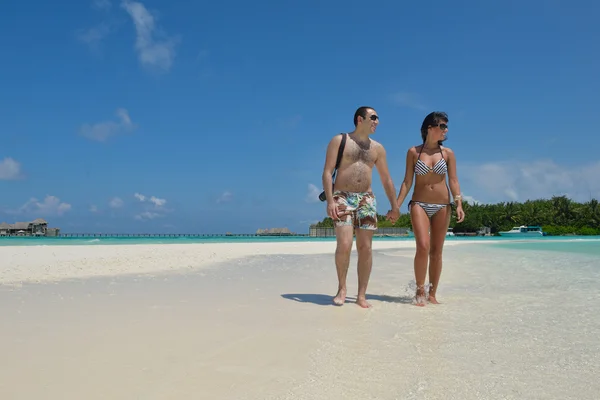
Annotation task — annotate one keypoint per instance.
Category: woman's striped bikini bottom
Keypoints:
(430, 208)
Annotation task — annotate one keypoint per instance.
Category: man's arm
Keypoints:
(409, 173)
(386, 179)
(330, 159)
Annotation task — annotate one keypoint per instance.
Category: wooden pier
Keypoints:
(170, 235)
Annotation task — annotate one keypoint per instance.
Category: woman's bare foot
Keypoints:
(361, 301)
(431, 298)
(420, 297)
(340, 297)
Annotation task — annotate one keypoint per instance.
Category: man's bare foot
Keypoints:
(361, 301)
(433, 300)
(340, 297)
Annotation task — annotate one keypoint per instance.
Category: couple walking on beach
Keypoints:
(352, 205)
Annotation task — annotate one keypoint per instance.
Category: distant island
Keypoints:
(37, 227)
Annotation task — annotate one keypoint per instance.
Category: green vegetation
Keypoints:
(557, 216)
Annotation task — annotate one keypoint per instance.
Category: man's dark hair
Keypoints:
(362, 112)
(433, 118)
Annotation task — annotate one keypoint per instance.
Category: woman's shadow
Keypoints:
(327, 300)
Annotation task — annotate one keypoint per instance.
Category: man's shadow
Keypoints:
(327, 300)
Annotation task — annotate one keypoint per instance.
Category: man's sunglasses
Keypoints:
(442, 126)
(374, 117)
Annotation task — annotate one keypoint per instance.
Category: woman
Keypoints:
(431, 206)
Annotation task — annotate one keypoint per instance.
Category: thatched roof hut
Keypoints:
(21, 226)
(38, 227)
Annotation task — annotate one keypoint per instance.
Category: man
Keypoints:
(351, 203)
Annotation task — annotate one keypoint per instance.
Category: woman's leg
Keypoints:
(439, 227)
(420, 224)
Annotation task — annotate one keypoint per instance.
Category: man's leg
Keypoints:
(344, 237)
(364, 245)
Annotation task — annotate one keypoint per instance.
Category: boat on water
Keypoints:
(450, 232)
(524, 230)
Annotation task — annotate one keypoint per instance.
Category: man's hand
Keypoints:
(332, 211)
(393, 215)
(460, 214)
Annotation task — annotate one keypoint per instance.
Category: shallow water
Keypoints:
(112, 240)
(590, 246)
(516, 323)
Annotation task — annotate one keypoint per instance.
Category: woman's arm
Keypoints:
(408, 177)
(453, 178)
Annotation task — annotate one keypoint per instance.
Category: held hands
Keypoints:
(393, 215)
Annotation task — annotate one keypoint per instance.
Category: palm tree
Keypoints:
(563, 210)
(590, 215)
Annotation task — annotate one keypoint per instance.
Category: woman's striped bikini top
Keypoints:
(439, 167)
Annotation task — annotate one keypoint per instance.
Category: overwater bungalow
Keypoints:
(37, 227)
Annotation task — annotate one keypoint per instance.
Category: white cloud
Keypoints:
(154, 207)
(10, 169)
(152, 199)
(102, 131)
(520, 181)
(153, 53)
(94, 36)
(93, 208)
(51, 206)
(409, 100)
(470, 199)
(225, 197)
(115, 202)
(158, 202)
(312, 196)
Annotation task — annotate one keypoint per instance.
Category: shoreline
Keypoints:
(15, 243)
(53, 263)
(44, 264)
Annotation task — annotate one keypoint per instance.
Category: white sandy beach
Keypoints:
(255, 321)
(20, 264)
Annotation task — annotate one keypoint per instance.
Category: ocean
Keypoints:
(570, 244)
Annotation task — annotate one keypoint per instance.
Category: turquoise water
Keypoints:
(586, 244)
(590, 246)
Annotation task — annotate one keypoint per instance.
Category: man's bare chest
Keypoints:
(363, 153)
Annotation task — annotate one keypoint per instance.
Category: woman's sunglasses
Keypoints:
(442, 126)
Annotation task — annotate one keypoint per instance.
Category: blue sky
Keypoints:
(156, 116)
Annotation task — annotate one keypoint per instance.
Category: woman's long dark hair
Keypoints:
(433, 118)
